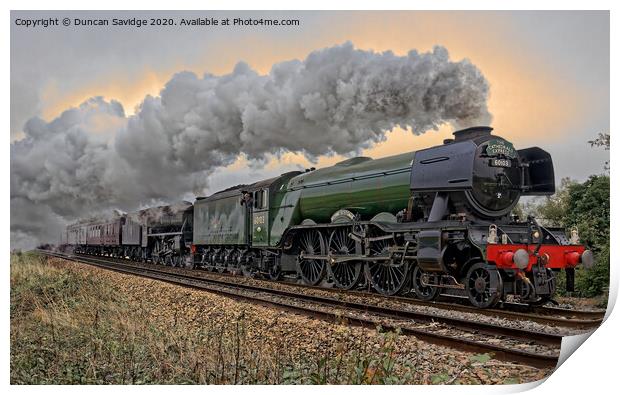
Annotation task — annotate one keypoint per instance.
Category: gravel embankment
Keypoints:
(304, 343)
(390, 303)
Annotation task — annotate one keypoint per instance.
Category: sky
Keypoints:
(547, 72)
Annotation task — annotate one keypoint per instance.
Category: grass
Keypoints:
(73, 325)
(69, 326)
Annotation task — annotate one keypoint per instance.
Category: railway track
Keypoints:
(543, 314)
(552, 316)
(510, 344)
(515, 311)
(555, 316)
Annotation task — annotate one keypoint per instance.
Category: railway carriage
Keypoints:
(96, 236)
(160, 234)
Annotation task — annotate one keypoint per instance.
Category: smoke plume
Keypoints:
(336, 101)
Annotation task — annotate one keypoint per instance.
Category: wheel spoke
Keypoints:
(391, 277)
(387, 277)
(345, 274)
(311, 270)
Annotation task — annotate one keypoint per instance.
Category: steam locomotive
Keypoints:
(425, 222)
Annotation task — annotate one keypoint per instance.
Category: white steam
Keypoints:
(338, 100)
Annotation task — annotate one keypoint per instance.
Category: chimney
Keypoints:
(472, 133)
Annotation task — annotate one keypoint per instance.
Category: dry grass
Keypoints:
(68, 327)
(77, 325)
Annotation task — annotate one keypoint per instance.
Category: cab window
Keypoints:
(260, 199)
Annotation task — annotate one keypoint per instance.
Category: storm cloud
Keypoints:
(338, 100)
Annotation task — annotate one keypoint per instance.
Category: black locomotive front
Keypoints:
(479, 176)
(467, 188)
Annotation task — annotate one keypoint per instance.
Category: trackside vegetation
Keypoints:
(586, 206)
(72, 327)
(72, 324)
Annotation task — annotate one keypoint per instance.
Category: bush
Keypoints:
(586, 207)
(588, 210)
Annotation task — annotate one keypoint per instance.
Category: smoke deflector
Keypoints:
(538, 174)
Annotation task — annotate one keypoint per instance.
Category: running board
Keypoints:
(333, 259)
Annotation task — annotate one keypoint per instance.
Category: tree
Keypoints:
(586, 207)
(588, 210)
(601, 141)
(552, 212)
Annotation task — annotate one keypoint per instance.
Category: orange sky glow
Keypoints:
(528, 100)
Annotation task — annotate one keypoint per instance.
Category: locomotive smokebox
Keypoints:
(462, 175)
(472, 133)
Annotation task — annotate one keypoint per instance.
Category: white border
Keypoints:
(593, 368)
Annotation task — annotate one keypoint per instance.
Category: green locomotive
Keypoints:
(422, 221)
